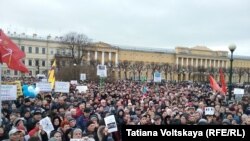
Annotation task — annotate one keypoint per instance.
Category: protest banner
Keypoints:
(44, 86)
(62, 87)
(8, 92)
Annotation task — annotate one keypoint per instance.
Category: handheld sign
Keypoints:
(110, 122)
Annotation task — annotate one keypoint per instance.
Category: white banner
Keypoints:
(102, 70)
(62, 87)
(47, 125)
(110, 123)
(73, 82)
(8, 92)
(157, 77)
(238, 91)
(209, 110)
(82, 76)
(82, 88)
(44, 86)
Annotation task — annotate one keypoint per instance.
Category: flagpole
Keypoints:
(1, 94)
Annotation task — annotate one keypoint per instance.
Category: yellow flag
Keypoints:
(51, 75)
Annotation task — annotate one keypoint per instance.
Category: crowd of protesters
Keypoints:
(76, 115)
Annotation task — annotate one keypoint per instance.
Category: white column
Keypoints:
(88, 56)
(177, 61)
(192, 63)
(201, 62)
(109, 56)
(196, 62)
(205, 63)
(210, 64)
(103, 58)
(116, 58)
(187, 62)
(214, 64)
(95, 55)
(181, 61)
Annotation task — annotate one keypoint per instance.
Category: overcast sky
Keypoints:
(141, 23)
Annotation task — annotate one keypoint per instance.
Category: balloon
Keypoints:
(31, 89)
(37, 90)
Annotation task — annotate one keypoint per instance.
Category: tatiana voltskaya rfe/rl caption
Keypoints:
(183, 132)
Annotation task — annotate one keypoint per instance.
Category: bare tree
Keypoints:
(189, 71)
(165, 68)
(247, 70)
(147, 68)
(171, 71)
(132, 68)
(240, 71)
(154, 67)
(124, 65)
(77, 45)
(110, 70)
(139, 67)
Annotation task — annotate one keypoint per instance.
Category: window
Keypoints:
(43, 63)
(52, 52)
(37, 62)
(63, 52)
(37, 50)
(30, 73)
(30, 49)
(30, 62)
(8, 72)
(15, 72)
(23, 62)
(23, 48)
(63, 63)
(57, 51)
(43, 50)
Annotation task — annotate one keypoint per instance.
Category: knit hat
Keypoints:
(17, 120)
(93, 117)
(226, 121)
(202, 122)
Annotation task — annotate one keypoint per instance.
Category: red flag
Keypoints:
(11, 54)
(223, 83)
(214, 85)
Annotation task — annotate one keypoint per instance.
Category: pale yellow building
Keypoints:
(41, 51)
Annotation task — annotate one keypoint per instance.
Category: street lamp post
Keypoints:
(232, 47)
(75, 71)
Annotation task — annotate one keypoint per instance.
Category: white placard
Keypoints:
(238, 91)
(47, 125)
(8, 92)
(110, 123)
(77, 139)
(62, 87)
(44, 86)
(82, 76)
(73, 82)
(82, 88)
(44, 80)
(209, 110)
(102, 70)
(157, 77)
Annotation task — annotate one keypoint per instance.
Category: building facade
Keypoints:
(183, 63)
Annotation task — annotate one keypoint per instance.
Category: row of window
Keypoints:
(8, 72)
(37, 63)
(37, 50)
